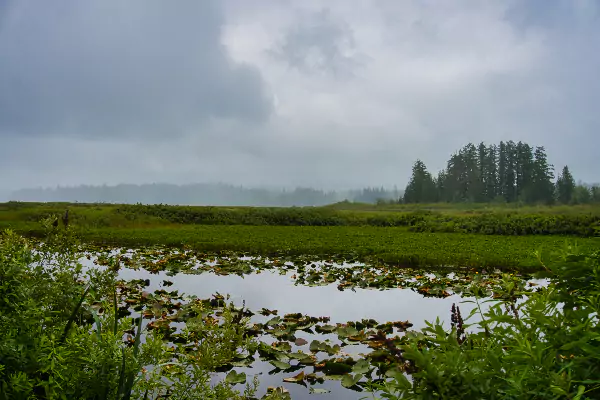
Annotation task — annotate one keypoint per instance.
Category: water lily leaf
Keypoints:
(280, 364)
(243, 361)
(299, 379)
(298, 356)
(347, 331)
(361, 367)
(348, 380)
(336, 368)
(300, 342)
(280, 356)
(325, 328)
(234, 377)
(282, 346)
(332, 350)
(315, 346)
(314, 378)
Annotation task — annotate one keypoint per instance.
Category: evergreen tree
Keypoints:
(543, 175)
(524, 172)
(456, 179)
(421, 188)
(565, 186)
(474, 182)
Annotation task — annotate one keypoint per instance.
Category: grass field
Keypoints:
(478, 218)
(411, 238)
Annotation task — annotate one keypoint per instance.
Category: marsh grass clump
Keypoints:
(62, 335)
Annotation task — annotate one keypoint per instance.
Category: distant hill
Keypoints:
(201, 194)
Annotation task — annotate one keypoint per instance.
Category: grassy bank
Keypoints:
(406, 238)
(389, 245)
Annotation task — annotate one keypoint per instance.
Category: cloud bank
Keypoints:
(284, 93)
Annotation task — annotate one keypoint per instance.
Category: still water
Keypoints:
(275, 291)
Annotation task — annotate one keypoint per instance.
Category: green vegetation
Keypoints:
(562, 220)
(62, 333)
(479, 238)
(75, 333)
(548, 347)
(82, 333)
(389, 245)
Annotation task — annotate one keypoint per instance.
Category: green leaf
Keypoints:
(348, 380)
(280, 364)
(361, 367)
(580, 392)
(234, 378)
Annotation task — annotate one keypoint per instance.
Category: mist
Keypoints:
(203, 195)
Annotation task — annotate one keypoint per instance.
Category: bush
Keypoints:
(546, 347)
(61, 335)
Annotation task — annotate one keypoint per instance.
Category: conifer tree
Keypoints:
(565, 186)
(421, 188)
(543, 175)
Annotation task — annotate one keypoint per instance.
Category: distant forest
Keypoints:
(505, 173)
(203, 194)
(509, 172)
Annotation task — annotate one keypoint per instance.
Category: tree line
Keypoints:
(508, 172)
(202, 194)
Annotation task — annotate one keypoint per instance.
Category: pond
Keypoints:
(283, 290)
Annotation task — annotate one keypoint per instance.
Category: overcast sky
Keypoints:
(332, 94)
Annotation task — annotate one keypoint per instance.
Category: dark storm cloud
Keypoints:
(115, 68)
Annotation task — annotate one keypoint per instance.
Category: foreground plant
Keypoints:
(61, 335)
(546, 347)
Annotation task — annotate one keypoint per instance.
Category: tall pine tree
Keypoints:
(543, 175)
(421, 188)
(565, 186)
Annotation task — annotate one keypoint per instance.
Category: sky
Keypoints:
(330, 94)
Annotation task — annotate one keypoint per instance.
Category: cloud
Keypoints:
(113, 68)
(319, 43)
(290, 92)
(433, 77)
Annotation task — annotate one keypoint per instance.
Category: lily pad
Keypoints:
(234, 377)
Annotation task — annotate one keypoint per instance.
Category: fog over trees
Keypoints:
(203, 194)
